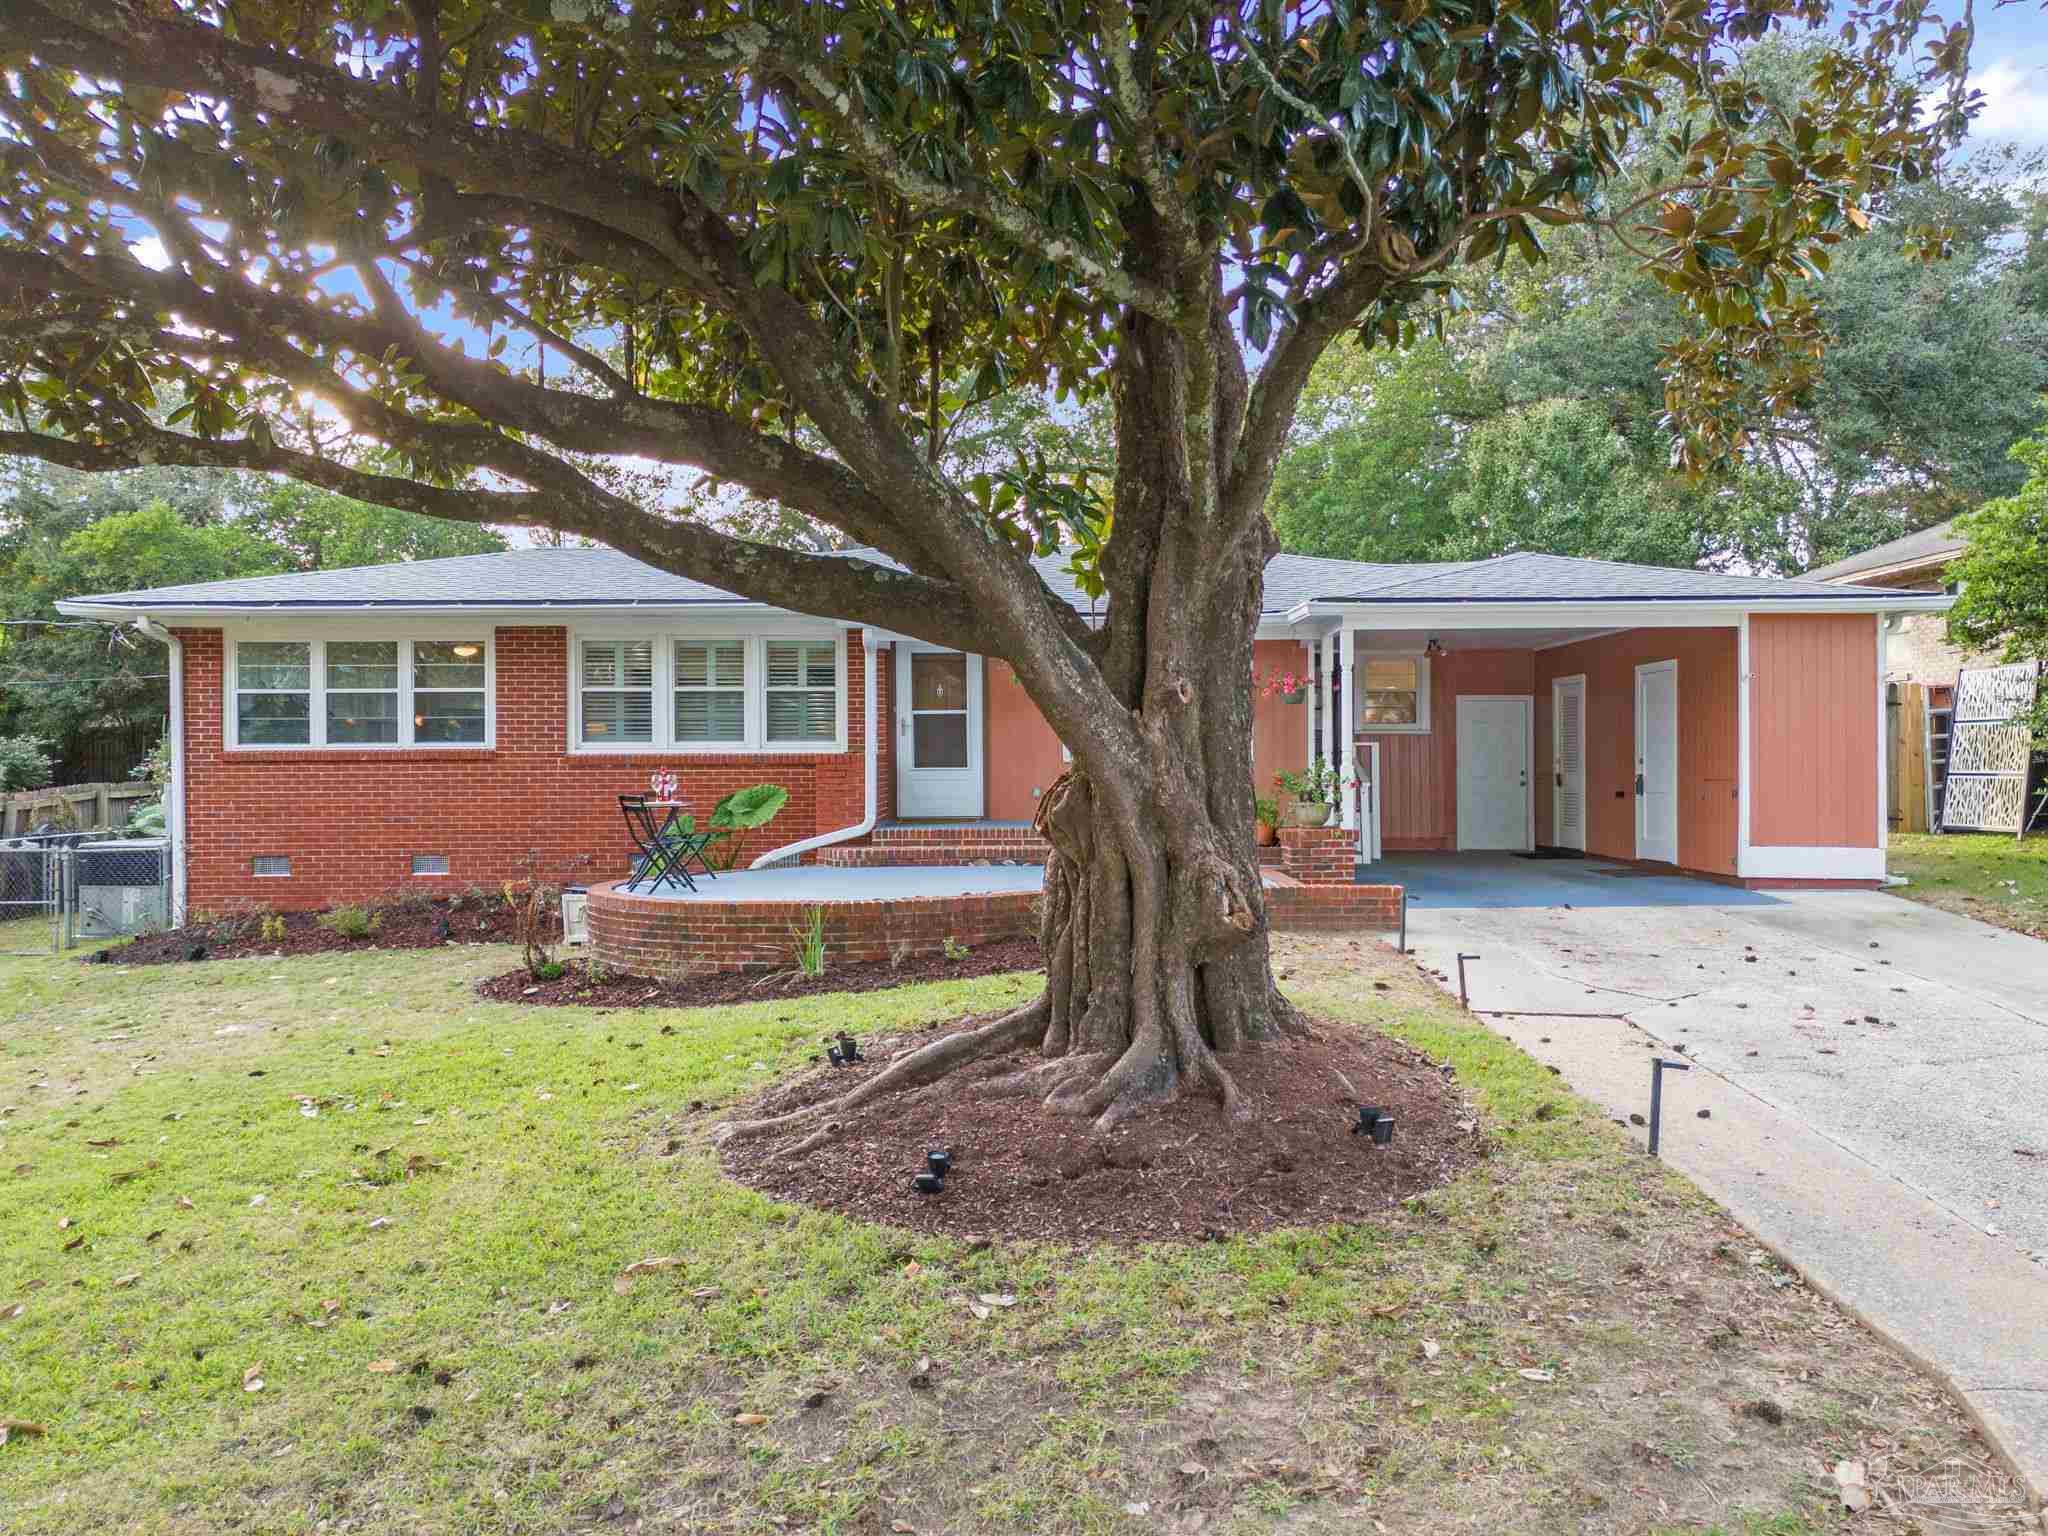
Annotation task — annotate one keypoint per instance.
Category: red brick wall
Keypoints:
(1319, 855)
(1321, 908)
(663, 937)
(351, 820)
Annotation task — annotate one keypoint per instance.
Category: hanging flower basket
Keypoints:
(1294, 696)
(1287, 687)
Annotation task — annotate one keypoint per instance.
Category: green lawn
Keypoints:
(2000, 879)
(300, 1241)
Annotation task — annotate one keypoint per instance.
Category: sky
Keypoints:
(2010, 66)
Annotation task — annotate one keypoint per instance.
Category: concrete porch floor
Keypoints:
(876, 882)
(1453, 881)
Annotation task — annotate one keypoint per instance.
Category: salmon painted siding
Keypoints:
(1419, 796)
(1707, 728)
(1021, 751)
(1279, 731)
(1813, 730)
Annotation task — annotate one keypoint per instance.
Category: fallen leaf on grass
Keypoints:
(998, 1301)
(252, 1379)
(111, 1141)
(121, 1282)
(1431, 1349)
(378, 1224)
(76, 1242)
(981, 1313)
(382, 1367)
(330, 1306)
(1530, 1373)
(750, 1419)
(624, 1282)
(9, 1314)
(9, 1428)
(184, 1202)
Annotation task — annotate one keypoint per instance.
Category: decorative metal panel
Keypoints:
(1988, 755)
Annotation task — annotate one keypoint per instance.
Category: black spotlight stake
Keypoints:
(849, 1047)
(1368, 1117)
(927, 1183)
(939, 1160)
(1383, 1131)
(832, 1055)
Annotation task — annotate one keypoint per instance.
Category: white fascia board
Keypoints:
(373, 613)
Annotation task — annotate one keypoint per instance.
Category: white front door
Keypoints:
(938, 732)
(1657, 761)
(1568, 762)
(1495, 798)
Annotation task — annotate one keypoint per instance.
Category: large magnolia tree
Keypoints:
(488, 259)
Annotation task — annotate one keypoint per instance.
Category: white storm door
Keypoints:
(1568, 763)
(1494, 793)
(938, 732)
(1657, 762)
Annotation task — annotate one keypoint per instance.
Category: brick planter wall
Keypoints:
(1319, 855)
(1331, 908)
(650, 936)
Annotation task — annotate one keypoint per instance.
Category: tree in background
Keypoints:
(1932, 371)
(804, 224)
(64, 534)
(2003, 573)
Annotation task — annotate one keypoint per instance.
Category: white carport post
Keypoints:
(1347, 758)
(1308, 671)
(1328, 753)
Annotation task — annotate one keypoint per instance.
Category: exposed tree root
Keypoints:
(924, 1065)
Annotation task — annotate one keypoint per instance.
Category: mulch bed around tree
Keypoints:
(575, 987)
(1177, 1174)
(413, 925)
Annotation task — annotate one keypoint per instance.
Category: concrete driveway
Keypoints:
(1876, 1074)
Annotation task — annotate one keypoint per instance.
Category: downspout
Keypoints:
(870, 687)
(174, 811)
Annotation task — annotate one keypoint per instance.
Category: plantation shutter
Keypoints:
(711, 696)
(802, 690)
(618, 691)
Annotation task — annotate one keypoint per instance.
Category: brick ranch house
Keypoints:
(341, 734)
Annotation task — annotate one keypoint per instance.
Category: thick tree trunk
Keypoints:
(1153, 921)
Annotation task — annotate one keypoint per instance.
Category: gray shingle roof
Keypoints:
(1530, 577)
(1929, 544)
(604, 578)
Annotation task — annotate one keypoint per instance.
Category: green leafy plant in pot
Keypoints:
(1314, 790)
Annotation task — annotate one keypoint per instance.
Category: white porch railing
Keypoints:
(1366, 803)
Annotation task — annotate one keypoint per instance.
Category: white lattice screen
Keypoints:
(1988, 755)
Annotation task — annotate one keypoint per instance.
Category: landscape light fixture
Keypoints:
(927, 1183)
(849, 1048)
(1376, 1123)
(939, 1160)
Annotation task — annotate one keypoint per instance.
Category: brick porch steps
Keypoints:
(972, 842)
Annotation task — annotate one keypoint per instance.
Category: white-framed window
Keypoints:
(711, 692)
(618, 693)
(802, 705)
(358, 691)
(704, 692)
(1390, 694)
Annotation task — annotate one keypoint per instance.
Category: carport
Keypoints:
(1720, 725)
(1499, 881)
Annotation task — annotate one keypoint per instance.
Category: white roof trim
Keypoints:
(1608, 613)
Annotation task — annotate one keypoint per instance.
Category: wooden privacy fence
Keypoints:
(75, 807)
(1908, 797)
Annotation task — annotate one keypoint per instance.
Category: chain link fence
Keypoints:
(59, 888)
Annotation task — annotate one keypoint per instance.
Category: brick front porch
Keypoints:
(747, 920)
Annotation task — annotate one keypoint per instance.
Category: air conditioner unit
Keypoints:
(121, 886)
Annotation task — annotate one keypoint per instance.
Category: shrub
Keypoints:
(23, 763)
(352, 922)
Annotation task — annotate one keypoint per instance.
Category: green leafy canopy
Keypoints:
(481, 259)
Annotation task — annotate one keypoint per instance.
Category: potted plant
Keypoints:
(1268, 814)
(1287, 687)
(1314, 791)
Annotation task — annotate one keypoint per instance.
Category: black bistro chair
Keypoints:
(665, 849)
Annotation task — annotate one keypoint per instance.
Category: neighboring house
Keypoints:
(1917, 648)
(340, 734)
